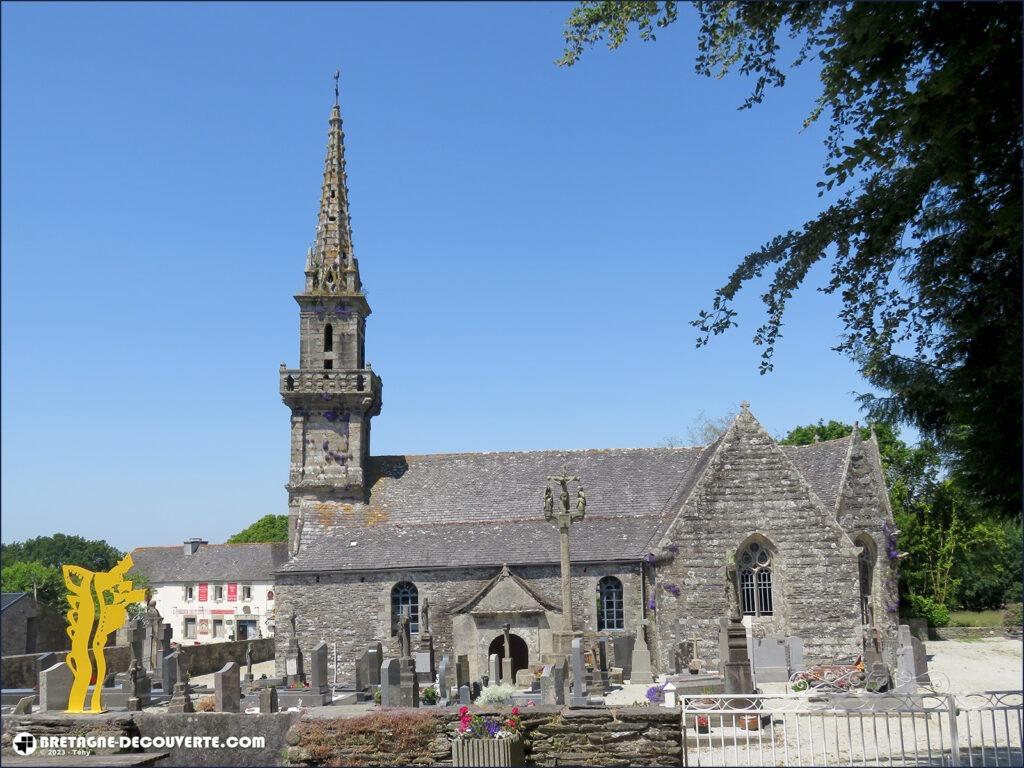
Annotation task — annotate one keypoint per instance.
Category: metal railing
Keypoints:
(815, 728)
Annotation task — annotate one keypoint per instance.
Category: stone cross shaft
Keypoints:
(564, 519)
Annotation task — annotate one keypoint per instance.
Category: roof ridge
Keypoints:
(666, 449)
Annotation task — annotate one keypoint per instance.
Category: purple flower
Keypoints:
(330, 415)
(672, 589)
(651, 604)
(492, 727)
(649, 558)
(656, 694)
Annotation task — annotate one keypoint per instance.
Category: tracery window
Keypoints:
(402, 594)
(755, 573)
(609, 604)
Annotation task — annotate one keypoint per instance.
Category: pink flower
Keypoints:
(515, 710)
(463, 710)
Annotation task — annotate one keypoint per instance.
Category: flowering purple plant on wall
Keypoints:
(649, 558)
(331, 415)
(652, 604)
(672, 589)
(673, 548)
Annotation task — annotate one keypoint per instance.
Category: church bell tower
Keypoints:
(333, 393)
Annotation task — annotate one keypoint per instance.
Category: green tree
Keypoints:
(43, 581)
(923, 231)
(269, 528)
(58, 549)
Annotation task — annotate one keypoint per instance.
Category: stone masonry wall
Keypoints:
(354, 610)
(642, 736)
(863, 511)
(751, 489)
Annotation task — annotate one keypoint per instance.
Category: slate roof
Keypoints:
(484, 509)
(10, 598)
(822, 465)
(211, 562)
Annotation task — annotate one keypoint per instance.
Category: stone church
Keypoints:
(803, 530)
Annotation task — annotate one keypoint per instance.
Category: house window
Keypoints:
(609, 604)
(246, 592)
(189, 594)
(328, 338)
(755, 574)
(402, 594)
(190, 629)
(218, 628)
(218, 592)
(866, 573)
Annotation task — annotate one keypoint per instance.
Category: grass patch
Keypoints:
(975, 618)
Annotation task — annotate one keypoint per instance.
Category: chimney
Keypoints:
(192, 545)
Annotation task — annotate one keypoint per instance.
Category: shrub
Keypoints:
(380, 738)
(206, 704)
(429, 695)
(376, 695)
(935, 612)
(1014, 616)
(495, 695)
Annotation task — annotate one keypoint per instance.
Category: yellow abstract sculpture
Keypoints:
(99, 605)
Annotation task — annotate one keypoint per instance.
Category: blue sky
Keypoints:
(533, 241)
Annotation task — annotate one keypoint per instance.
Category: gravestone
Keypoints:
(409, 685)
(165, 633)
(55, 688)
(368, 667)
(319, 690)
(424, 664)
(769, 659)
(640, 661)
(137, 685)
(601, 663)
(464, 697)
(45, 661)
(920, 661)
(738, 676)
(506, 672)
(134, 704)
(462, 671)
(268, 700)
(579, 696)
(24, 706)
(795, 647)
(295, 672)
(181, 701)
(390, 681)
(248, 663)
(227, 688)
(444, 683)
(560, 673)
(494, 669)
(622, 653)
(169, 672)
(547, 686)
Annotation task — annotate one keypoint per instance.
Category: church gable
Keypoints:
(505, 593)
(751, 490)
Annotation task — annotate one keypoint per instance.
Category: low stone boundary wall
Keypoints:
(211, 657)
(965, 633)
(22, 671)
(645, 736)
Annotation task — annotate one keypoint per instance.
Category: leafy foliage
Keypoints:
(58, 549)
(935, 612)
(923, 236)
(267, 529)
(44, 581)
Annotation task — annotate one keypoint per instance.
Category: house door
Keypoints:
(246, 629)
(520, 652)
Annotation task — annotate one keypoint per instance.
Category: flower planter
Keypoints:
(487, 753)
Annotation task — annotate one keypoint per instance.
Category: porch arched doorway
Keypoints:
(520, 652)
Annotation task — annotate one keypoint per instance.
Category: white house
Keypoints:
(213, 592)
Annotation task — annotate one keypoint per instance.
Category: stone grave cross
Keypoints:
(563, 520)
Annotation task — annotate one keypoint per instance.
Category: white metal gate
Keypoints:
(926, 728)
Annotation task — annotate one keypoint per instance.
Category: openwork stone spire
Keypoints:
(331, 266)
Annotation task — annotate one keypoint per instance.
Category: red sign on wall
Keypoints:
(204, 591)
(232, 591)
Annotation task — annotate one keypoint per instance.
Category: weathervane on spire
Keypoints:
(337, 74)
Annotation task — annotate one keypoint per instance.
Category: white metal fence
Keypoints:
(925, 728)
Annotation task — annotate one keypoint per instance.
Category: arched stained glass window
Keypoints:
(754, 563)
(609, 604)
(402, 594)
